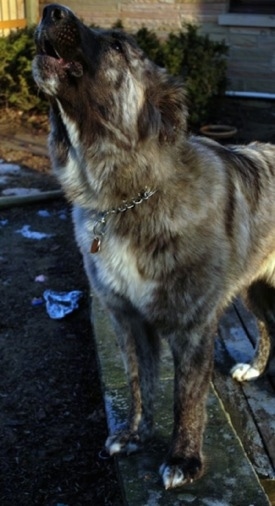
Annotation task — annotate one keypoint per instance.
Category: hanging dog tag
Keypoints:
(95, 246)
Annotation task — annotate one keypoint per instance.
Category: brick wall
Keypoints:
(251, 63)
(159, 15)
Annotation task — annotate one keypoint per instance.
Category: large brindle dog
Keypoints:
(171, 227)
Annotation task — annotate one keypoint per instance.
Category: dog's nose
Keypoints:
(55, 13)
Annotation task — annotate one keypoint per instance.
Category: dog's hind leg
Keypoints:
(261, 300)
(140, 351)
(193, 361)
(245, 372)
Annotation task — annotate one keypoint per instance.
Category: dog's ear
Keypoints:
(164, 113)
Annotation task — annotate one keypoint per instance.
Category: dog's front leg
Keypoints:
(193, 359)
(140, 352)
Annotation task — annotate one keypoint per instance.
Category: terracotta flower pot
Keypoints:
(218, 131)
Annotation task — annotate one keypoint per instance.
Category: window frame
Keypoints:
(252, 6)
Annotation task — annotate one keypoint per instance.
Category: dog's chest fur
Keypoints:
(114, 267)
(186, 242)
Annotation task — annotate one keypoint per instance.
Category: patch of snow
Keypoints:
(62, 215)
(31, 234)
(187, 498)
(21, 191)
(3, 180)
(9, 168)
(154, 497)
(214, 502)
(44, 213)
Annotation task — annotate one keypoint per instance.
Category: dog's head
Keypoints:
(103, 74)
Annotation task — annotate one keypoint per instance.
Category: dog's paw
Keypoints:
(124, 443)
(179, 471)
(244, 372)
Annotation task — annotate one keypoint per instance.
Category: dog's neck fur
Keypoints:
(100, 224)
(108, 174)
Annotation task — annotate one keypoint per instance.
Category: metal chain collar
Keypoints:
(99, 227)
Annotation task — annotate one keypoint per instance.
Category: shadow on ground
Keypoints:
(52, 419)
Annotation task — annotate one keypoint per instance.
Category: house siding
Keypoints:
(251, 60)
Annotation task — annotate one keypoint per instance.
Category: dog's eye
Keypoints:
(117, 46)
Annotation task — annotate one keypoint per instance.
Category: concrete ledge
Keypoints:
(229, 480)
(247, 20)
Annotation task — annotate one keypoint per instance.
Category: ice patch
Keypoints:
(21, 191)
(215, 502)
(62, 215)
(3, 180)
(31, 234)
(153, 499)
(3, 223)
(9, 168)
(187, 498)
(44, 213)
(40, 278)
(116, 409)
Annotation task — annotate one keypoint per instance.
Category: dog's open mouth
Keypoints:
(46, 49)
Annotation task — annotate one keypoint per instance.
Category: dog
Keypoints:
(171, 226)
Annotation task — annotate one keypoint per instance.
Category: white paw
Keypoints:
(244, 372)
(171, 476)
(114, 445)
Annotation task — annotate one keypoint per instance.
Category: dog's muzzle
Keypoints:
(58, 55)
(54, 13)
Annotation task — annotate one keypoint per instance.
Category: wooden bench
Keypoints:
(230, 478)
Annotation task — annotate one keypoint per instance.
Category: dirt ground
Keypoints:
(52, 419)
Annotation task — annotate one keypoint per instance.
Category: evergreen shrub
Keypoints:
(17, 87)
(200, 61)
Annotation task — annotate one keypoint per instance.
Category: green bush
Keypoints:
(17, 87)
(200, 61)
(151, 45)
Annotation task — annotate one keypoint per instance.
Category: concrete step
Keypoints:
(229, 480)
